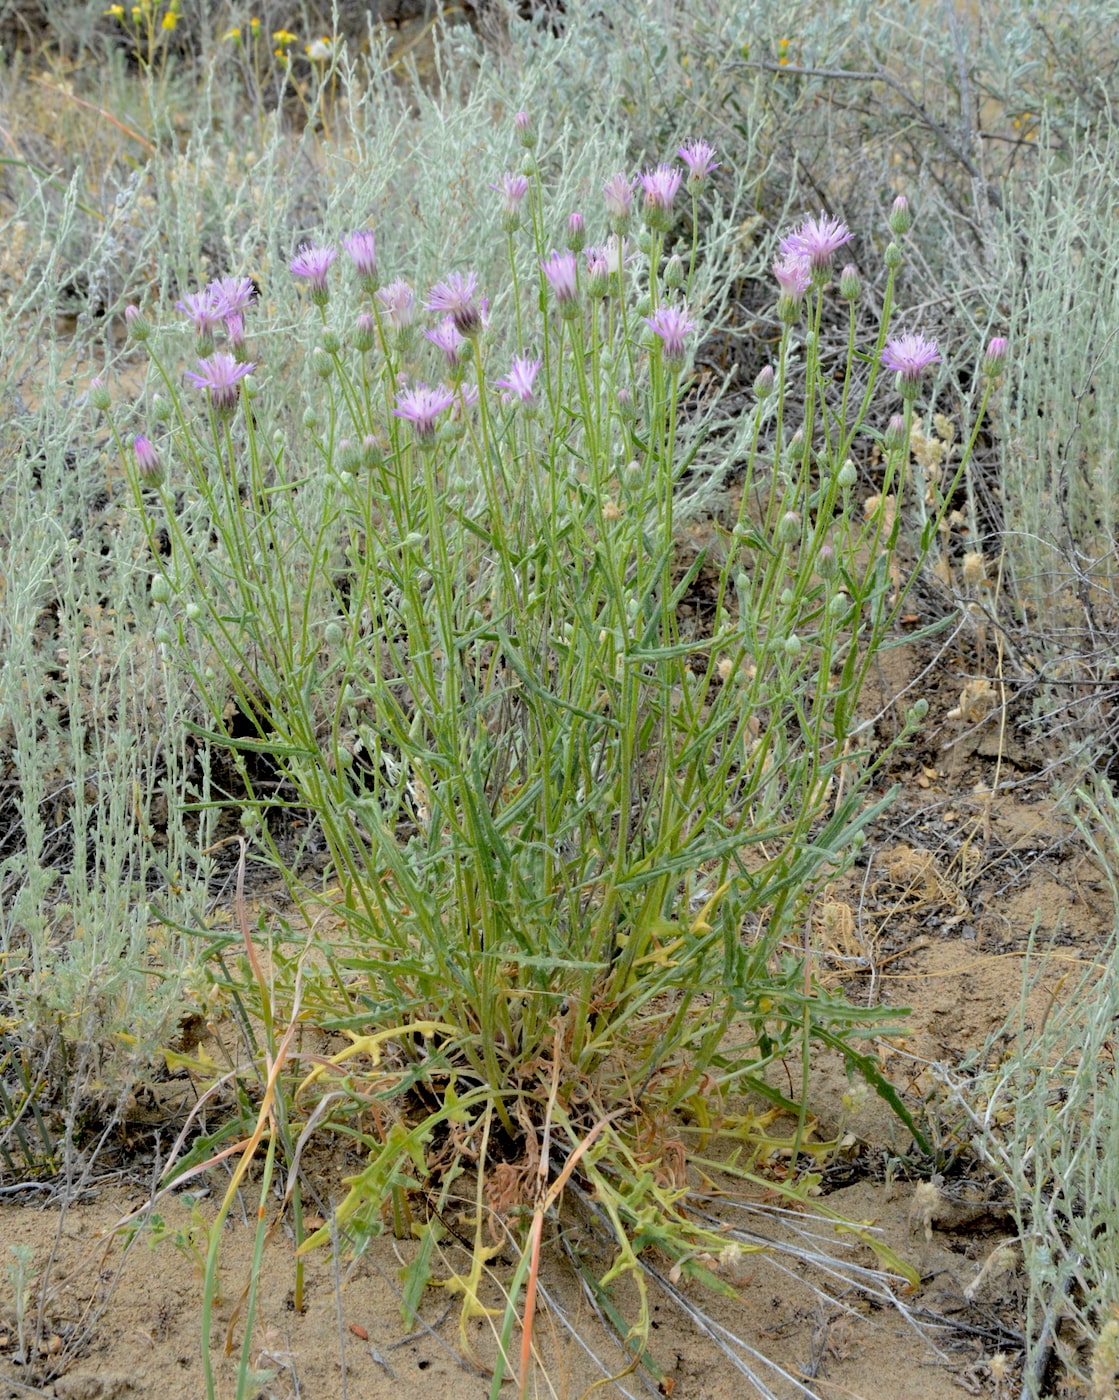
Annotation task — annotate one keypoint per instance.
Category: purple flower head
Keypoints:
(448, 340)
(670, 324)
(660, 186)
(995, 356)
(560, 271)
(699, 157)
(361, 249)
(421, 406)
(456, 295)
(576, 232)
(618, 194)
(399, 302)
(147, 460)
(526, 134)
(231, 295)
(909, 356)
(199, 308)
(512, 189)
(793, 280)
(220, 376)
(314, 263)
(519, 381)
(818, 240)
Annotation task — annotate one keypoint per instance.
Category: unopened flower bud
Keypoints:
(674, 272)
(793, 645)
(148, 466)
(837, 607)
(331, 342)
(645, 306)
(321, 363)
(918, 710)
(576, 233)
(333, 634)
(99, 396)
(995, 356)
(310, 419)
(139, 327)
(161, 589)
(763, 383)
(827, 565)
(900, 218)
(847, 475)
(893, 258)
(372, 453)
(895, 436)
(526, 133)
(364, 333)
(850, 284)
(627, 410)
(788, 527)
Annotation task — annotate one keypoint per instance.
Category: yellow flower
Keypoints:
(254, 25)
(284, 37)
(170, 20)
(234, 34)
(117, 11)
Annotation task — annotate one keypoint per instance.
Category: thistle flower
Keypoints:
(909, 356)
(220, 377)
(519, 381)
(512, 189)
(421, 406)
(148, 465)
(660, 186)
(793, 279)
(670, 324)
(559, 269)
(447, 338)
(361, 249)
(618, 194)
(456, 295)
(817, 240)
(699, 157)
(399, 302)
(199, 308)
(314, 263)
(231, 296)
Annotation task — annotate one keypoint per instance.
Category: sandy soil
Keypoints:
(937, 917)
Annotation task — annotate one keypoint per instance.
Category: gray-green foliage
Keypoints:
(1045, 1114)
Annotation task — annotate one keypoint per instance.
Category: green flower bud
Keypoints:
(893, 257)
(161, 589)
